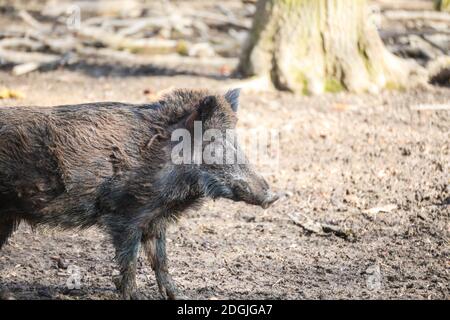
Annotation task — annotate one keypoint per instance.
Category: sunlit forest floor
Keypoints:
(374, 166)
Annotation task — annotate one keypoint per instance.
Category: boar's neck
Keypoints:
(168, 190)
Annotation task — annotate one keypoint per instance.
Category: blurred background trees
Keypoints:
(316, 46)
(443, 5)
(304, 46)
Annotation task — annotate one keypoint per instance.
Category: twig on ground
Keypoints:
(319, 228)
(387, 208)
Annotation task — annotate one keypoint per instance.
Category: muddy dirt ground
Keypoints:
(339, 156)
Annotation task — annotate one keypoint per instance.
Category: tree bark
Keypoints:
(442, 5)
(316, 46)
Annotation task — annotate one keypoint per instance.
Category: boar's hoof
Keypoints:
(173, 296)
(132, 296)
(167, 288)
(6, 295)
(127, 294)
(117, 280)
(170, 292)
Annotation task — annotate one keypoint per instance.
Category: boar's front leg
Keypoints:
(127, 242)
(154, 241)
(7, 227)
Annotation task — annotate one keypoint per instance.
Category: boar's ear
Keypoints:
(201, 111)
(232, 97)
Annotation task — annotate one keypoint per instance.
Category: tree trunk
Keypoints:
(443, 5)
(315, 46)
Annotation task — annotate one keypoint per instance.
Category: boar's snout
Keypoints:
(254, 191)
(270, 198)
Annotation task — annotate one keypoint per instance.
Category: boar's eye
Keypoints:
(241, 185)
(207, 103)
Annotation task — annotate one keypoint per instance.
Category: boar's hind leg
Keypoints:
(155, 247)
(126, 243)
(7, 227)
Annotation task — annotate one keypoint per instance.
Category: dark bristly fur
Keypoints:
(109, 165)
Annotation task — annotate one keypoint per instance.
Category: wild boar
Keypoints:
(111, 165)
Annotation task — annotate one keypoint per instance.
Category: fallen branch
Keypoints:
(417, 15)
(434, 44)
(22, 69)
(32, 22)
(387, 208)
(219, 19)
(18, 57)
(97, 8)
(398, 34)
(110, 54)
(26, 62)
(148, 46)
(319, 228)
(21, 43)
(405, 5)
